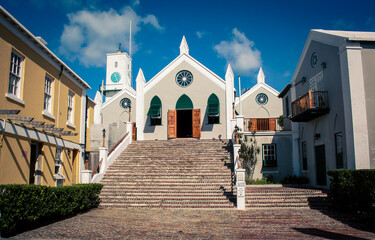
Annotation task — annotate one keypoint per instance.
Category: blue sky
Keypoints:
(246, 34)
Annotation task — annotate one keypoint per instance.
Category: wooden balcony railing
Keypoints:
(309, 106)
(261, 124)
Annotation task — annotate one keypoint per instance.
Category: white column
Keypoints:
(81, 164)
(129, 129)
(140, 118)
(103, 152)
(229, 99)
(353, 89)
(86, 176)
(240, 120)
(241, 187)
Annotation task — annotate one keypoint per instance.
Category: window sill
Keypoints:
(14, 98)
(71, 125)
(48, 115)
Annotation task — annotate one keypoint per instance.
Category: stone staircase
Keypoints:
(276, 196)
(180, 173)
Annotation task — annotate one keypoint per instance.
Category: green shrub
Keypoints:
(353, 189)
(24, 205)
(257, 181)
(294, 180)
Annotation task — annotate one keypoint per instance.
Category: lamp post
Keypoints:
(233, 109)
(103, 131)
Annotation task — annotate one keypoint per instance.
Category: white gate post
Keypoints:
(241, 186)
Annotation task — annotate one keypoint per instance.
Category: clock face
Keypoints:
(125, 103)
(184, 78)
(115, 77)
(314, 60)
(261, 99)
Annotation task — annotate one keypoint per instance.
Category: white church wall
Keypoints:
(251, 109)
(199, 91)
(114, 113)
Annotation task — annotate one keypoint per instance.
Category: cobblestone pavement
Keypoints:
(206, 224)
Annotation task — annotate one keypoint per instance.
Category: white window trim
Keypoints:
(14, 98)
(58, 162)
(48, 114)
(71, 108)
(50, 94)
(71, 125)
(19, 83)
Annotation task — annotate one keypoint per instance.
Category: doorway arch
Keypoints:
(184, 102)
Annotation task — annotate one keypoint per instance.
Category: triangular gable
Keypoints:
(322, 36)
(193, 62)
(131, 93)
(255, 88)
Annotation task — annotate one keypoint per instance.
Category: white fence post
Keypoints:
(241, 187)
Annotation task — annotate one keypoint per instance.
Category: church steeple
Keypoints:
(261, 76)
(184, 48)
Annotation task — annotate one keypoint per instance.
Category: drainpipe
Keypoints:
(58, 98)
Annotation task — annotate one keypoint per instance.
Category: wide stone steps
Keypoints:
(182, 204)
(179, 173)
(284, 197)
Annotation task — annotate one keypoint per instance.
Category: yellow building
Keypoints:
(44, 111)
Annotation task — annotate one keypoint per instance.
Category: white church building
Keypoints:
(187, 100)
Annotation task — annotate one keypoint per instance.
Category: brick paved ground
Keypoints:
(206, 224)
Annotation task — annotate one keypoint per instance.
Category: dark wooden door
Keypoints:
(320, 162)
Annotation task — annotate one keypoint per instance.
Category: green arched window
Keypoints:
(184, 102)
(154, 112)
(213, 109)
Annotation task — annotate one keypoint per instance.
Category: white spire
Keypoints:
(184, 48)
(261, 76)
(229, 74)
(98, 108)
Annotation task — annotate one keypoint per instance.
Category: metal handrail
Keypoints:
(119, 141)
(310, 100)
(96, 168)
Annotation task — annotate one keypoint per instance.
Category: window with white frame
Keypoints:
(58, 162)
(269, 155)
(48, 94)
(70, 107)
(15, 74)
(58, 176)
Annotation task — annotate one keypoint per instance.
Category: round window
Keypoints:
(261, 99)
(125, 103)
(184, 78)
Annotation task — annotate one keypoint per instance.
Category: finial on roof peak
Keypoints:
(184, 48)
(261, 76)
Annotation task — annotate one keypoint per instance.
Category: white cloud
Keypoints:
(286, 74)
(200, 34)
(240, 53)
(151, 19)
(89, 35)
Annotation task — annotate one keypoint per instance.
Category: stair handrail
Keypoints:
(119, 141)
(96, 167)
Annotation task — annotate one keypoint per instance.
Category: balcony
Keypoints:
(261, 124)
(310, 106)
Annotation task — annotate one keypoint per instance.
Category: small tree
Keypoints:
(248, 153)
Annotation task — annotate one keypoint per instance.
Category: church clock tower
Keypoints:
(118, 74)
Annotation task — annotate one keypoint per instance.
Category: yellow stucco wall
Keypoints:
(15, 150)
(14, 159)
